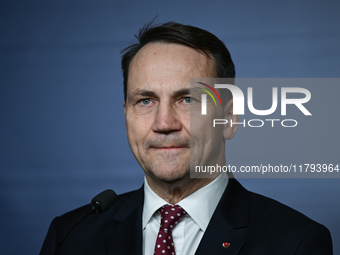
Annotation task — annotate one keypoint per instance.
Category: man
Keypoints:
(173, 213)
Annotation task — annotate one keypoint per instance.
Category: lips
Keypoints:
(168, 143)
(169, 147)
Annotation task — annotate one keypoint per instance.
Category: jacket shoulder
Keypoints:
(121, 199)
(270, 210)
(285, 227)
(92, 229)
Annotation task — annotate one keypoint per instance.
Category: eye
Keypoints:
(188, 100)
(145, 101)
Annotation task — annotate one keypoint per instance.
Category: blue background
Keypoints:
(62, 125)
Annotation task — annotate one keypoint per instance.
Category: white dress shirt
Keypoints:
(188, 233)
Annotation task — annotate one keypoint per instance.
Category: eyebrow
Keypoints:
(142, 92)
(181, 92)
(149, 93)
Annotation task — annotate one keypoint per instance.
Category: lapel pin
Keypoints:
(226, 245)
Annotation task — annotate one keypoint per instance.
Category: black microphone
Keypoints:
(102, 201)
(99, 203)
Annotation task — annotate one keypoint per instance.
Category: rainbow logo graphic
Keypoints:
(204, 97)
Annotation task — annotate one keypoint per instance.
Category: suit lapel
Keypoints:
(232, 213)
(125, 230)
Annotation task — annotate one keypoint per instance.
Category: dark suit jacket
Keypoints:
(251, 223)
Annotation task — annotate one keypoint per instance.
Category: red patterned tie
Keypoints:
(171, 215)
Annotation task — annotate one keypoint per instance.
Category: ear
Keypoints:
(124, 105)
(230, 130)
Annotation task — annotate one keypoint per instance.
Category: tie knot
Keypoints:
(170, 216)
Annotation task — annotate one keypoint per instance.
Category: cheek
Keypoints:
(185, 120)
(204, 137)
(137, 129)
(201, 126)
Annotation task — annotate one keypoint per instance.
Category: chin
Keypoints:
(171, 176)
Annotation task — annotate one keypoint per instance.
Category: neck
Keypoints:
(174, 191)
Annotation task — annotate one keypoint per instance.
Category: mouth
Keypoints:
(170, 148)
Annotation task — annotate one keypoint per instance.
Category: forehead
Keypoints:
(160, 65)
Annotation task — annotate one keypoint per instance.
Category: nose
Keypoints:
(166, 119)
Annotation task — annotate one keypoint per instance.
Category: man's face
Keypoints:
(157, 108)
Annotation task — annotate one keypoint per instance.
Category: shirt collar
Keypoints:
(152, 202)
(200, 205)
